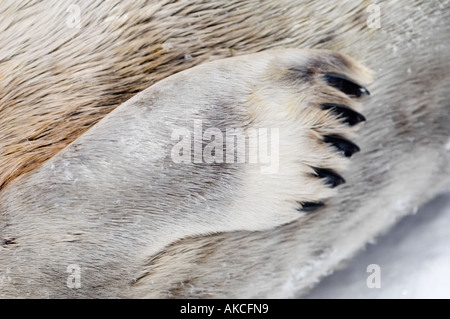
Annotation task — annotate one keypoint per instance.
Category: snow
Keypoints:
(414, 258)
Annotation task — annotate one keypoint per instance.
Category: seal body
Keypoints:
(109, 198)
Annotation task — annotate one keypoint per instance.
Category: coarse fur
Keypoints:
(140, 225)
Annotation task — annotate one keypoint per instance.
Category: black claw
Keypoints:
(342, 144)
(310, 206)
(346, 85)
(331, 178)
(349, 116)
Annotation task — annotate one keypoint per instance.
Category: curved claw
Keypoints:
(310, 206)
(348, 115)
(332, 178)
(342, 144)
(345, 85)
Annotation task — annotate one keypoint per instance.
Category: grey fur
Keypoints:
(83, 208)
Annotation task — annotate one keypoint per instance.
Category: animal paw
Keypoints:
(312, 98)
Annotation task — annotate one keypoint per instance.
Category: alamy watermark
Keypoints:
(73, 20)
(212, 145)
(374, 279)
(374, 18)
(74, 279)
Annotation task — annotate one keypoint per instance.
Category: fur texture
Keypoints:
(56, 85)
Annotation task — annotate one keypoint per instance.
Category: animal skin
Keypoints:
(93, 93)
